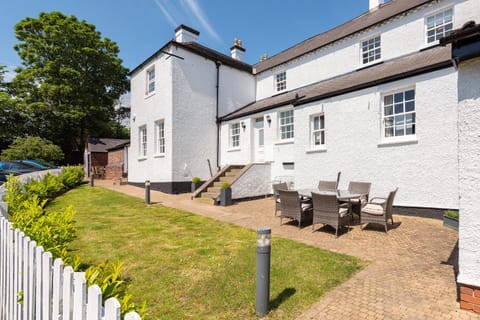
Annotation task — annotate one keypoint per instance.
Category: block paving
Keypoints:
(411, 270)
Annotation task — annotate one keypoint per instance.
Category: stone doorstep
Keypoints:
(470, 298)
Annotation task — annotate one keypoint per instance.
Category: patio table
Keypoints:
(344, 195)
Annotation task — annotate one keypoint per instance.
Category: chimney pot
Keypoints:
(238, 52)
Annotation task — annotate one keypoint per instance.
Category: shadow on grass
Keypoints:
(282, 297)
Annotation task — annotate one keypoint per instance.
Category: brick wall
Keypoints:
(99, 159)
(115, 156)
(470, 298)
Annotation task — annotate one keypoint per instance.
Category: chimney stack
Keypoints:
(184, 34)
(238, 52)
(264, 57)
(374, 4)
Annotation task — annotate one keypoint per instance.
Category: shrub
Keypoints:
(225, 185)
(33, 148)
(48, 187)
(72, 176)
(196, 180)
(452, 214)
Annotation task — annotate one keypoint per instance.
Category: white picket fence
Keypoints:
(32, 286)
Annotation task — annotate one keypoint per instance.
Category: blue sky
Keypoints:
(140, 27)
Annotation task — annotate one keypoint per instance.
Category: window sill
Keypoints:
(142, 158)
(369, 64)
(286, 141)
(387, 142)
(159, 155)
(148, 95)
(233, 149)
(317, 150)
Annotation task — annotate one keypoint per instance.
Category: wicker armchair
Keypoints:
(327, 210)
(378, 210)
(364, 189)
(327, 185)
(293, 208)
(276, 187)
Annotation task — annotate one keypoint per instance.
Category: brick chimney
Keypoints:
(238, 52)
(184, 34)
(374, 4)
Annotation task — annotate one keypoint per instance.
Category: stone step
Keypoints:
(226, 179)
(236, 171)
(230, 174)
(209, 195)
(213, 189)
(204, 200)
(217, 184)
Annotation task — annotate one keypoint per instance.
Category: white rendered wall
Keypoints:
(194, 127)
(400, 36)
(237, 89)
(255, 182)
(145, 110)
(194, 116)
(425, 170)
(469, 171)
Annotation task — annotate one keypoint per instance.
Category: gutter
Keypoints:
(217, 120)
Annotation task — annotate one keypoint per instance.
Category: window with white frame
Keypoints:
(142, 135)
(235, 135)
(281, 81)
(317, 131)
(286, 125)
(399, 113)
(439, 25)
(371, 50)
(159, 137)
(150, 80)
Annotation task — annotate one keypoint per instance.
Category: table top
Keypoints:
(341, 194)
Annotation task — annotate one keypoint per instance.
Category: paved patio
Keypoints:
(410, 275)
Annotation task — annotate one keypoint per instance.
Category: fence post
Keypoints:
(94, 305)
(57, 288)
(79, 296)
(112, 309)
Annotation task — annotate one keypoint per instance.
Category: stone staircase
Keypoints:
(210, 190)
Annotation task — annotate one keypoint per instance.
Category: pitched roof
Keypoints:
(201, 50)
(395, 69)
(364, 21)
(104, 144)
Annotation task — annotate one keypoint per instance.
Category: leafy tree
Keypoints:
(69, 81)
(10, 120)
(33, 148)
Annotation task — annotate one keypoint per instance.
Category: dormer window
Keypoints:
(281, 81)
(439, 25)
(150, 81)
(371, 50)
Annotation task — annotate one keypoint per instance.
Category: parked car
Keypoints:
(5, 173)
(40, 164)
(19, 167)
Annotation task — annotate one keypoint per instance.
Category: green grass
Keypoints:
(191, 267)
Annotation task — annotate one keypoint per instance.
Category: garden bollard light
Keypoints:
(147, 191)
(92, 180)
(262, 292)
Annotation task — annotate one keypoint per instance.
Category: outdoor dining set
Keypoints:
(328, 205)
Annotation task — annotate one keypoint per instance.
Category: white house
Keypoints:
(375, 98)
(466, 56)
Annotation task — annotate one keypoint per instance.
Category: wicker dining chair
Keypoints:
(364, 189)
(327, 185)
(378, 210)
(276, 198)
(327, 210)
(293, 207)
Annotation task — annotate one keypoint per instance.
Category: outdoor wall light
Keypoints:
(243, 125)
(269, 119)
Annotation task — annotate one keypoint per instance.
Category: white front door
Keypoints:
(258, 140)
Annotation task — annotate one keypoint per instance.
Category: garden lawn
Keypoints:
(188, 266)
